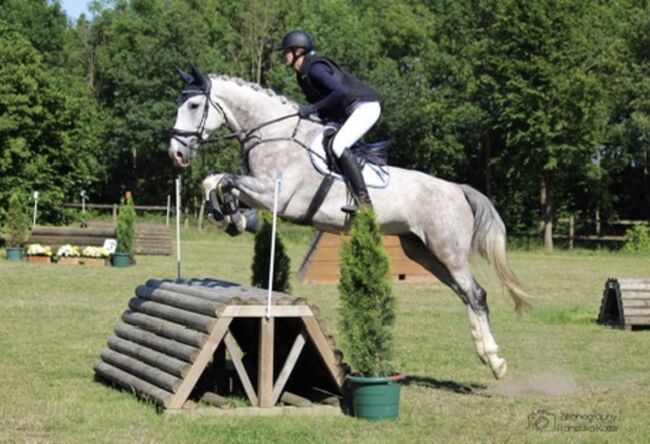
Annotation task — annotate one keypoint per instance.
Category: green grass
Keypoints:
(54, 320)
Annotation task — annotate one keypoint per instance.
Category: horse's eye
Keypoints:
(194, 106)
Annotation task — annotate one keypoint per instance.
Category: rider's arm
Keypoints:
(323, 78)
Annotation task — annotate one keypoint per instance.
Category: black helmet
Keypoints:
(297, 39)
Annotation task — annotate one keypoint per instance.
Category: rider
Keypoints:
(337, 96)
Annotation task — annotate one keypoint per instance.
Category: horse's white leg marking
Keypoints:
(475, 332)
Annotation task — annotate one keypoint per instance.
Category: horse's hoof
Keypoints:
(500, 370)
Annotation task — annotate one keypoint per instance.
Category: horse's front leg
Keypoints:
(222, 192)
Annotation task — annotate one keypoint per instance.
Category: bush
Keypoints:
(637, 239)
(125, 232)
(16, 227)
(262, 255)
(367, 302)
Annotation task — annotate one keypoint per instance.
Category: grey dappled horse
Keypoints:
(438, 223)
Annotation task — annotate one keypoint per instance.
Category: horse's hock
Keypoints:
(626, 303)
(184, 344)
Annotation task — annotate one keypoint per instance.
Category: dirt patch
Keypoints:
(551, 383)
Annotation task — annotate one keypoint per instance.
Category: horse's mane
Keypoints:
(255, 87)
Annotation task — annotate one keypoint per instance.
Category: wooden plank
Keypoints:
(636, 303)
(41, 230)
(265, 362)
(216, 335)
(167, 363)
(130, 382)
(633, 311)
(635, 294)
(236, 357)
(288, 366)
(142, 370)
(256, 311)
(637, 320)
(324, 349)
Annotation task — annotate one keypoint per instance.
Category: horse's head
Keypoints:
(197, 116)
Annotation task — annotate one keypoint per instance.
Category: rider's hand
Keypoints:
(306, 110)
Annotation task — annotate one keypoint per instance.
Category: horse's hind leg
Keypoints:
(458, 277)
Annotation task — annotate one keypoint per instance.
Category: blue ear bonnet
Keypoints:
(196, 83)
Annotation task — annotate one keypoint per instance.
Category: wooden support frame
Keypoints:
(176, 333)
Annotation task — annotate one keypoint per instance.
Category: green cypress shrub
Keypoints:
(367, 305)
(16, 226)
(637, 239)
(262, 256)
(125, 232)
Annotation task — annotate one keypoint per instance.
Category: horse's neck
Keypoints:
(248, 106)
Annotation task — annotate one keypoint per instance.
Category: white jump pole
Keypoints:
(178, 227)
(276, 192)
(35, 208)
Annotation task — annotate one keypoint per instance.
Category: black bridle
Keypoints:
(246, 136)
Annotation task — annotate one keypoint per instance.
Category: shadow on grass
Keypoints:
(450, 386)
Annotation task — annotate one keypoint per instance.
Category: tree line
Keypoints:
(544, 105)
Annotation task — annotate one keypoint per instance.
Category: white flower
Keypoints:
(94, 252)
(38, 250)
(68, 250)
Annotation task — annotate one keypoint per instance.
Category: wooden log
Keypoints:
(143, 371)
(295, 400)
(167, 363)
(164, 328)
(633, 311)
(204, 293)
(130, 382)
(216, 400)
(62, 240)
(635, 294)
(637, 320)
(192, 320)
(184, 301)
(73, 231)
(636, 303)
(167, 346)
(634, 285)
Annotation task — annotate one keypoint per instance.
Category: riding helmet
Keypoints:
(297, 39)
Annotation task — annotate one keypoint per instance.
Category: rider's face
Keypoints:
(292, 57)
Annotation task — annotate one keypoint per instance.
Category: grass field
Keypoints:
(55, 319)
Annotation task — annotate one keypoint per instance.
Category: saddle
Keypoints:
(375, 153)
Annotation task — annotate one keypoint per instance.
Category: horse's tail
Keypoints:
(489, 239)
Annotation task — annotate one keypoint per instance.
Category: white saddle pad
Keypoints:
(375, 176)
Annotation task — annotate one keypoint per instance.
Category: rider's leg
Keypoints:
(360, 121)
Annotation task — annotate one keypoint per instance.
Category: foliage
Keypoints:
(538, 102)
(16, 226)
(261, 258)
(637, 239)
(367, 303)
(125, 230)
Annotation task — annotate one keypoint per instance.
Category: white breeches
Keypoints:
(360, 121)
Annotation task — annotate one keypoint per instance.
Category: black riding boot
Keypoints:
(352, 171)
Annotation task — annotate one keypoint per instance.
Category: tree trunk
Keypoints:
(548, 210)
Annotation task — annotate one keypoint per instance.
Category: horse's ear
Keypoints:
(184, 74)
(196, 73)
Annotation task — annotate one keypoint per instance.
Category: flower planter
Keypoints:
(39, 259)
(375, 398)
(121, 260)
(67, 260)
(15, 254)
(94, 261)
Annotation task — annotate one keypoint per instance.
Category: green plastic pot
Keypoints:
(15, 254)
(375, 398)
(121, 260)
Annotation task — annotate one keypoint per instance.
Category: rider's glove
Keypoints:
(306, 110)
